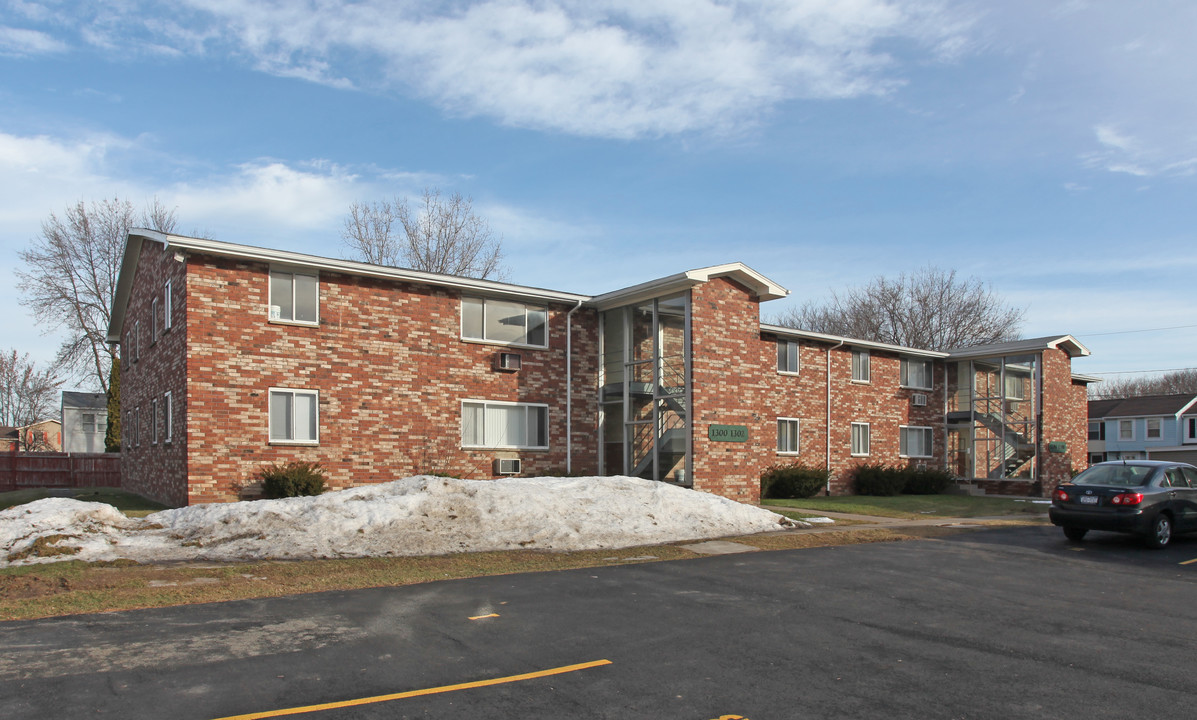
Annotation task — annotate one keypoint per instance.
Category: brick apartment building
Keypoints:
(234, 357)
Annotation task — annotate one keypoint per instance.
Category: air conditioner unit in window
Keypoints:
(508, 362)
(918, 399)
(507, 466)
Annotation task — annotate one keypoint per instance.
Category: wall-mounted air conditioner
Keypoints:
(507, 466)
(508, 361)
(918, 399)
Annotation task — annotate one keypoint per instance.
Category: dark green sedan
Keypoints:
(1149, 498)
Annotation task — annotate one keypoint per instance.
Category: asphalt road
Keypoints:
(1014, 623)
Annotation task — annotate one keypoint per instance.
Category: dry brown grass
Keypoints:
(72, 587)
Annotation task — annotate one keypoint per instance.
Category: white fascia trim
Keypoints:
(1074, 348)
(1079, 349)
(1186, 408)
(124, 281)
(852, 342)
(1077, 377)
(763, 287)
(350, 267)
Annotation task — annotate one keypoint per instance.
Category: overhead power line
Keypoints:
(1139, 372)
(1127, 332)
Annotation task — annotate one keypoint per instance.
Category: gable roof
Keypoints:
(1067, 343)
(85, 401)
(760, 285)
(782, 331)
(1146, 406)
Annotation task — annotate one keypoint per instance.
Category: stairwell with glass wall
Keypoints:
(993, 417)
(644, 394)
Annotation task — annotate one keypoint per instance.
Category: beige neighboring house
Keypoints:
(41, 436)
(84, 422)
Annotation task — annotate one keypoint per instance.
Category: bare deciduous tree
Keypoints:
(930, 308)
(441, 235)
(27, 394)
(1178, 382)
(69, 278)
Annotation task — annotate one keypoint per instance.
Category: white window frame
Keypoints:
(852, 439)
(154, 421)
(904, 441)
(904, 373)
(1159, 429)
(83, 422)
(1017, 383)
(136, 340)
(506, 343)
(154, 321)
(270, 438)
(860, 361)
(167, 406)
(136, 427)
(1126, 437)
(787, 355)
(1190, 423)
(167, 305)
(796, 424)
(270, 296)
(487, 404)
(1094, 430)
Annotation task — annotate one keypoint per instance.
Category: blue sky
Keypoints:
(1047, 148)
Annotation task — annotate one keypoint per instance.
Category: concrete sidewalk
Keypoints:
(873, 522)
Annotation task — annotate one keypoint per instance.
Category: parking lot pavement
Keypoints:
(990, 624)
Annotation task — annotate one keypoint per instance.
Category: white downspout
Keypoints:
(828, 426)
(569, 389)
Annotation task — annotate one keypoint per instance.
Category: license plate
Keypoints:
(1088, 499)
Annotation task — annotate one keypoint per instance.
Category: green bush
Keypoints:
(879, 479)
(793, 481)
(927, 481)
(292, 479)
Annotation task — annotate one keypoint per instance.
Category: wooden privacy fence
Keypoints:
(21, 470)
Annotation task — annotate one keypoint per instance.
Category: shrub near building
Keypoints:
(292, 479)
(886, 481)
(793, 481)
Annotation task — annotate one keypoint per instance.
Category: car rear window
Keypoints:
(1119, 475)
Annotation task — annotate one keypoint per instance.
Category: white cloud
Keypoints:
(1123, 153)
(19, 41)
(269, 194)
(606, 68)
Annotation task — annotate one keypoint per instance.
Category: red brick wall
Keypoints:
(1065, 419)
(391, 370)
(728, 366)
(735, 382)
(156, 470)
(886, 406)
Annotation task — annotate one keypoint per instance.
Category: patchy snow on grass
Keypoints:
(416, 516)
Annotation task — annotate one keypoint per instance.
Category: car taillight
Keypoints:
(1060, 496)
(1127, 499)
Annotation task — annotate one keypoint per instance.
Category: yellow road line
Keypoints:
(483, 617)
(418, 693)
(1189, 562)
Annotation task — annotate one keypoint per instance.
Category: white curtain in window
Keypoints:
(505, 321)
(280, 416)
(305, 298)
(304, 416)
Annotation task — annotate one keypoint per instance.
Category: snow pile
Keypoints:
(415, 516)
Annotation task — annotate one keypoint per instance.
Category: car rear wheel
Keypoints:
(1161, 532)
(1075, 534)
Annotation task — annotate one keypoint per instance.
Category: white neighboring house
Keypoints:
(84, 422)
